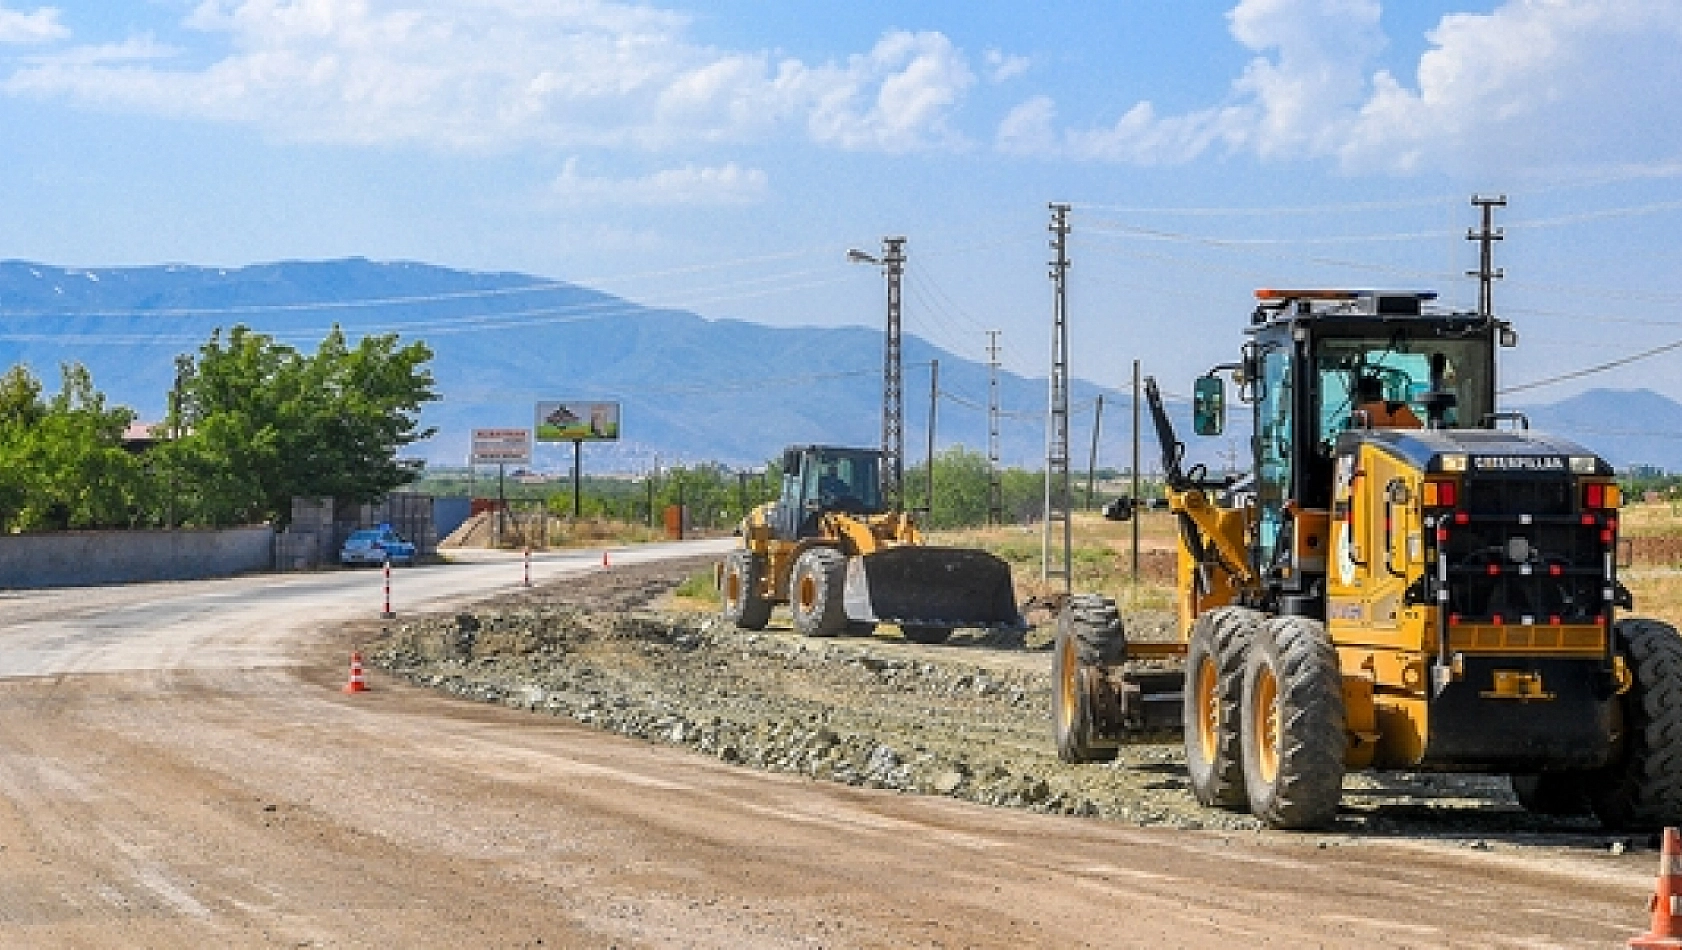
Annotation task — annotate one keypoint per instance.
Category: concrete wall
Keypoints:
(319, 527)
(84, 558)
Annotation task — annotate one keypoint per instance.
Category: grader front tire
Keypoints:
(1213, 700)
(1293, 725)
(1089, 639)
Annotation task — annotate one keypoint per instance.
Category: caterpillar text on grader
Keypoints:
(831, 549)
(1412, 581)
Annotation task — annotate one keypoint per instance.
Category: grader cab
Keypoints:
(1416, 581)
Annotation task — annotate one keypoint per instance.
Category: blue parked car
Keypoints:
(376, 546)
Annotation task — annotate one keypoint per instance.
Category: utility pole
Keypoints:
(934, 402)
(995, 491)
(892, 263)
(1487, 274)
(1136, 508)
(1057, 423)
(1092, 459)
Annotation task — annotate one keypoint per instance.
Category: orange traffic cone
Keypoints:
(1667, 898)
(358, 683)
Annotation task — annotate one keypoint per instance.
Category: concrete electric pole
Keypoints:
(1487, 274)
(892, 263)
(1057, 423)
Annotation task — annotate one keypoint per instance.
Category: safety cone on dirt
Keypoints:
(358, 682)
(1667, 898)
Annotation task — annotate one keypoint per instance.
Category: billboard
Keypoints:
(501, 447)
(577, 421)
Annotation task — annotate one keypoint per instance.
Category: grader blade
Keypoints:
(931, 587)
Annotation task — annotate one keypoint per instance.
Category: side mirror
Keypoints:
(1507, 336)
(1119, 510)
(1208, 405)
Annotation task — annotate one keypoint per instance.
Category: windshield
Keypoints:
(1401, 370)
(845, 479)
(363, 536)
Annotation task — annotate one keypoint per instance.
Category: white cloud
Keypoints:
(1030, 128)
(894, 98)
(728, 184)
(42, 26)
(490, 73)
(1535, 82)
(1002, 67)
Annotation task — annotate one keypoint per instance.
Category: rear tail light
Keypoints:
(1441, 494)
(1600, 496)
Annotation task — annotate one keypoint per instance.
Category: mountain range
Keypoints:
(690, 389)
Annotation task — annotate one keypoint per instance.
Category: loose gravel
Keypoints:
(968, 720)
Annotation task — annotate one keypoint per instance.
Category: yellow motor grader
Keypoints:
(1408, 579)
(843, 562)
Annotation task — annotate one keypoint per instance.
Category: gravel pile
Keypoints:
(968, 720)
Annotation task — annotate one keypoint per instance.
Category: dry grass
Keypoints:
(1651, 520)
(1100, 558)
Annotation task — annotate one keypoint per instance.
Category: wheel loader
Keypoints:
(1409, 579)
(843, 562)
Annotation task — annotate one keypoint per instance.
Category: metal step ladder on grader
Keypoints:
(1413, 580)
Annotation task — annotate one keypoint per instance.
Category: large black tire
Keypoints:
(1553, 793)
(1292, 724)
(924, 633)
(1643, 788)
(1213, 702)
(738, 591)
(814, 592)
(1089, 640)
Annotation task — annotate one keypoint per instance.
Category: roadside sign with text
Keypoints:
(501, 447)
(577, 421)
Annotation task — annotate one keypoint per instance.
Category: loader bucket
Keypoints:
(930, 586)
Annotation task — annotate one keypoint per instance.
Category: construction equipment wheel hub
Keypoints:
(1265, 710)
(1208, 701)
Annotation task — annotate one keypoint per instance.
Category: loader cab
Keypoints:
(1320, 363)
(819, 479)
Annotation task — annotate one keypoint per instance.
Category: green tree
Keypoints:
(265, 423)
(62, 464)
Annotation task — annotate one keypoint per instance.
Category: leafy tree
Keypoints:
(265, 423)
(62, 464)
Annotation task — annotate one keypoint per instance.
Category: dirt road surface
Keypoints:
(179, 767)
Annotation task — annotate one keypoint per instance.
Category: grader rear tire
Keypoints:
(814, 592)
(1089, 639)
(1644, 788)
(738, 590)
(1213, 701)
(1292, 724)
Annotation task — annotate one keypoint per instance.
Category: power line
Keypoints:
(1592, 370)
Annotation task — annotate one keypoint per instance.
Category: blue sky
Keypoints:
(722, 156)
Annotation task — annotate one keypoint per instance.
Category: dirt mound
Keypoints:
(969, 719)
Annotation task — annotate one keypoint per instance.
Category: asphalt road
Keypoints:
(178, 767)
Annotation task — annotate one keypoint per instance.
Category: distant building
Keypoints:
(141, 436)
